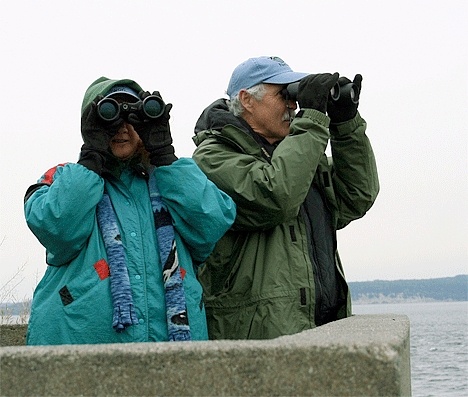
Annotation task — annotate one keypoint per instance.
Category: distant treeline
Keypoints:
(423, 290)
(377, 291)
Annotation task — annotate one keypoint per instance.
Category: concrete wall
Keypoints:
(13, 335)
(365, 355)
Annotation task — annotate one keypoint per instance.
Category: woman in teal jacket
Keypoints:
(125, 228)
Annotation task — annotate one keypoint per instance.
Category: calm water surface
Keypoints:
(439, 345)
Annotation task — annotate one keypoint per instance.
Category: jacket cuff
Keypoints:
(315, 116)
(346, 127)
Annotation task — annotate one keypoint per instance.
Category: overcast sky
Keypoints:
(412, 55)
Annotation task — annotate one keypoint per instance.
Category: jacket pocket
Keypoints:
(263, 319)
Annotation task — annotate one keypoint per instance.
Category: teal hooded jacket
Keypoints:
(61, 211)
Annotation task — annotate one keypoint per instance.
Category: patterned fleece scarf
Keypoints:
(123, 309)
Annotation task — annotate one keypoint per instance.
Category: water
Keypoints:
(438, 345)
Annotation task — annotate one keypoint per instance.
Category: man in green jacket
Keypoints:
(277, 270)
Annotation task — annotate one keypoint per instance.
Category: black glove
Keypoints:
(92, 159)
(314, 90)
(96, 134)
(155, 134)
(345, 108)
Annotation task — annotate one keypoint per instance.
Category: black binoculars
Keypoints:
(152, 107)
(344, 92)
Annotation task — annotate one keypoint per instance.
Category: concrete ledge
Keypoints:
(365, 355)
(13, 334)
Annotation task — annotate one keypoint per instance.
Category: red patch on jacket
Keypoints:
(48, 177)
(182, 273)
(102, 269)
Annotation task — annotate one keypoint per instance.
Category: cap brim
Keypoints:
(123, 96)
(286, 78)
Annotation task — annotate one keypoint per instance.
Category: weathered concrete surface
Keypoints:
(365, 355)
(13, 334)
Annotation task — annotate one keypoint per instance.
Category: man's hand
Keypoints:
(346, 107)
(314, 90)
(155, 134)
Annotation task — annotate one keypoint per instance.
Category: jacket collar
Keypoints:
(217, 120)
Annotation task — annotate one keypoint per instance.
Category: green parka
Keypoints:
(277, 271)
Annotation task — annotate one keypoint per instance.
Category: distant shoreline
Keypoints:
(446, 289)
(394, 301)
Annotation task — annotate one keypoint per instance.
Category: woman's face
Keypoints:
(125, 143)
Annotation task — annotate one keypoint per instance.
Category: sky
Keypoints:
(413, 56)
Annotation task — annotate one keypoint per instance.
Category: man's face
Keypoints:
(270, 117)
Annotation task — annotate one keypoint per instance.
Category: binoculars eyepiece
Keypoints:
(152, 107)
(348, 91)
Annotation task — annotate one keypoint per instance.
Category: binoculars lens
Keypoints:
(152, 107)
(335, 92)
(108, 110)
(350, 91)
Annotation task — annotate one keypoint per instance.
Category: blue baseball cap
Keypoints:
(253, 71)
(124, 93)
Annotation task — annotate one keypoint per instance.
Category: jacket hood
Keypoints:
(216, 116)
(102, 86)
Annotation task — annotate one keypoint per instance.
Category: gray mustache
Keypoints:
(288, 115)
